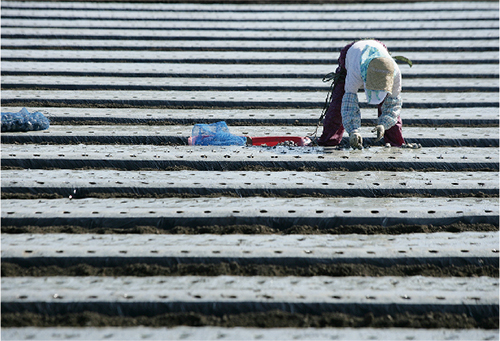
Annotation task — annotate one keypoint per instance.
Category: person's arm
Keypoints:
(391, 109)
(351, 115)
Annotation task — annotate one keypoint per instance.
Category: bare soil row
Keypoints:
(235, 269)
(272, 319)
(256, 229)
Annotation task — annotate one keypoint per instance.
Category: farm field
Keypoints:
(115, 228)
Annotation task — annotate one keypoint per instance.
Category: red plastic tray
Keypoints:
(271, 141)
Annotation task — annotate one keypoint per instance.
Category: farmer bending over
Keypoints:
(367, 64)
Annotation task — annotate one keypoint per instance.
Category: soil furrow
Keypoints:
(256, 229)
(272, 319)
(235, 269)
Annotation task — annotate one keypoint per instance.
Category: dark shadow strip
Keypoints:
(258, 29)
(254, 11)
(232, 61)
(150, 309)
(104, 163)
(284, 87)
(230, 76)
(407, 121)
(104, 103)
(243, 49)
(187, 18)
(220, 38)
(170, 261)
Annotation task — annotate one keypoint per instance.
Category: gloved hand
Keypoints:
(412, 145)
(380, 130)
(355, 140)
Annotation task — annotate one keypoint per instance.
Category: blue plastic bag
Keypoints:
(24, 121)
(215, 134)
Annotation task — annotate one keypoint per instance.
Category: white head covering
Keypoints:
(375, 96)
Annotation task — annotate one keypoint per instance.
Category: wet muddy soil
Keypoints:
(235, 269)
(257, 229)
(83, 193)
(271, 319)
